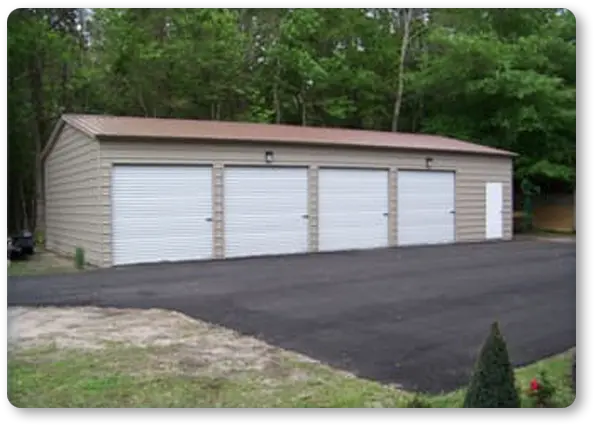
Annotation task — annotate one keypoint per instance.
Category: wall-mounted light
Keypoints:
(428, 162)
(269, 157)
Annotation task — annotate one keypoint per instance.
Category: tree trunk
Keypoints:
(142, 103)
(403, 50)
(39, 130)
(417, 114)
(420, 107)
(275, 94)
(215, 110)
(65, 106)
(276, 36)
(301, 98)
(25, 223)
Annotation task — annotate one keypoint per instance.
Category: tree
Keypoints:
(493, 382)
(487, 80)
(498, 77)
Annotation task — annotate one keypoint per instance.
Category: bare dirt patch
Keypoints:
(91, 357)
(173, 342)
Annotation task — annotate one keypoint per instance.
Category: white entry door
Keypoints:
(161, 213)
(494, 210)
(426, 207)
(353, 209)
(265, 211)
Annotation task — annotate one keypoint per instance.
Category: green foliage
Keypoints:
(39, 238)
(493, 382)
(541, 391)
(500, 77)
(79, 258)
(573, 375)
(417, 402)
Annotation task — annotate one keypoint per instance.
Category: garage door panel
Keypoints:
(421, 219)
(423, 236)
(177, 225)
(156, 206)
(425, 203)
(159, 213)
(352, 209)
(265, 211)
(271, 224)
(366, 204)
(357, 237)
(347, 220)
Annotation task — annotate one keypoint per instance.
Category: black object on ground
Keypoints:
(21, 245)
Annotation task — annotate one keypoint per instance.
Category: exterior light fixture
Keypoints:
(269, 157)
(428, 162)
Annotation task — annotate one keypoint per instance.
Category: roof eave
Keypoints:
(52, 139)
(62, 121)
(133, 138)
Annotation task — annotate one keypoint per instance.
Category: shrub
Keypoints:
(417, 402)
(493, 382)
(541, 391)
(39, 238)
(79, 258)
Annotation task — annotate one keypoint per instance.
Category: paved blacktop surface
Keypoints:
(412, 316)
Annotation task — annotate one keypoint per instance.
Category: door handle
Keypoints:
(452, 211)
(208, 219)
(305, 216)
(385, 214)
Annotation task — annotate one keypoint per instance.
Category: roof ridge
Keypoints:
(125, 126)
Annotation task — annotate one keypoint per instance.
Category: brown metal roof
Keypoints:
(112, 127)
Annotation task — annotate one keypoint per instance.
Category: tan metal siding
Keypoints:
(313, 207)
(472, 174)
(218, 206)
(72, 210)
(392, 199)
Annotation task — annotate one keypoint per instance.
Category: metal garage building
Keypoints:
(141, 190)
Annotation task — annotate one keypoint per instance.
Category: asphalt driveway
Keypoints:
(412, 316)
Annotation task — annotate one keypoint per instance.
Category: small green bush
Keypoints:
(493, 382)
(39, 238)
(541, 391)
(79, 258)
(417, 402)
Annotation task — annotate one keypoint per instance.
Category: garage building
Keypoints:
(142, 190)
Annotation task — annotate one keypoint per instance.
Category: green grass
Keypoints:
(554, 232)
(41, 263)
(557, 368)
(128, 377)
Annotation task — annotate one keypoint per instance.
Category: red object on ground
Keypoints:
(534, 384)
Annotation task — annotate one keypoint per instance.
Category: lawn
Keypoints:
(41, 263)
(123, 376)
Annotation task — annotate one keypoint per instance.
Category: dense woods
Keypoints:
(499, 77)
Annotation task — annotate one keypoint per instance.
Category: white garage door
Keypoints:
(426, 203)
(353, 209)
(265, 211)
(161, 213)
